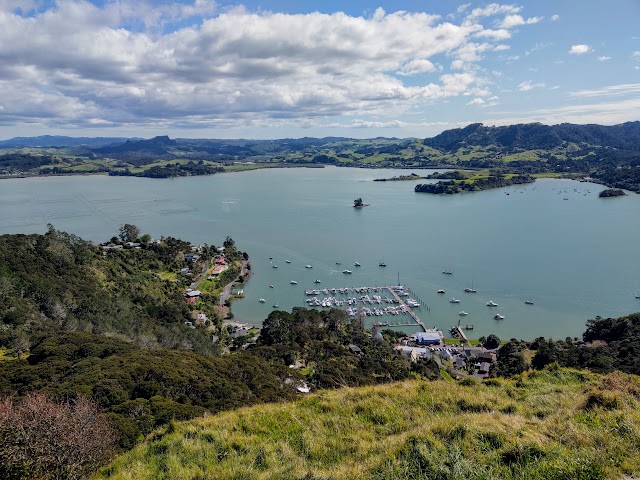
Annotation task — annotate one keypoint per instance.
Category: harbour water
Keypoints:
(553, 242)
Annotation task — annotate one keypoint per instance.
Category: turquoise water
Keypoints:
(575, 258)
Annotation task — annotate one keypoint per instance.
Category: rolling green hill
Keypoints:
(552, 424)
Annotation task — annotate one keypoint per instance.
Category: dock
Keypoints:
(457, 332)
(409, 311)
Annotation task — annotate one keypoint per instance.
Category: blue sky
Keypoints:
(275, 69)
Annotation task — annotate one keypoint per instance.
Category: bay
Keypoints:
(575, 258)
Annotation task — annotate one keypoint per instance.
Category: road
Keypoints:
(199, 278)
(226, 291)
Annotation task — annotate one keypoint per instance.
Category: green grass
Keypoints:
(6, 355)
(560, 424)
(171, 276)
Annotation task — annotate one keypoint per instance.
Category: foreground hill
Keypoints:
(556, 423)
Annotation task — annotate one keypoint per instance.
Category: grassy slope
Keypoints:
(552, 424)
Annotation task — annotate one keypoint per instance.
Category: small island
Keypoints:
(474, 184)
(358, 203)
(612, 192)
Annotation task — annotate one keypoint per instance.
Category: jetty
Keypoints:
(409, 311)
(457, 332)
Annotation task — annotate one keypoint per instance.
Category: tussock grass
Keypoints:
(554, 424)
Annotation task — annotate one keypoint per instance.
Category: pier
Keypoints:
(457, 332)
(409, 311)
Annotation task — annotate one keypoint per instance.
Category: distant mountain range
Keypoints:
(55, 141)
(528, 136)
(531, 136)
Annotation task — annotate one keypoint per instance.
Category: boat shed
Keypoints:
(427, 338)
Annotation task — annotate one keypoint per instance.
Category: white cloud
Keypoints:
(529, 85)
(511, 21)
(416, 66)
(463, 7)
(555, 18)
(579, 49)
(501, 34)
(610, 90)
(476, 101)
(492, 10)
(636, 55)
(603, 58)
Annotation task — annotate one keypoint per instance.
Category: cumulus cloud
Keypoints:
(579, 49)
(190, 64)
(529, 85)
(511, 21)
(476, 101)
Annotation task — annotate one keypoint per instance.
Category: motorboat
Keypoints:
(447, 272)
(276, 305)
(454, 300)
(357, 264)
(262, 300)
(288, 261)
(270, 286)
(463, 313)
(274, 266)
(347, 271)
(468, 327)
(308, 266)
(530, 302)
(491, 303)
(382, 264)
(338, 263)
(293, 282)
(317, 281)
(498, 317)
(440, 291)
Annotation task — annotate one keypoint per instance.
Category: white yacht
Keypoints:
(317, 281)
(463, 313)
(288, 261)
(270, 286)
(308, 266)
(470, 290)
(498, 317)
(530, 302)
(346, 271)
(262, 300)
(274, 266)
(357, 264)
(454, 300)
(275, 305)
(491, 303)
(440, 291)
(293, 282)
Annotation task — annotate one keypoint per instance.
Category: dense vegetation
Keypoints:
(59, 282)
(554, 424)
(171, 170)
(474, 185)
(612, 192)
(607, 345)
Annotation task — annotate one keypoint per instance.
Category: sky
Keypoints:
(296, 68)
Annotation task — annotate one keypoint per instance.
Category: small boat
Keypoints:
(262, 300)
(293, 282)
(346, 271)
(454, 300)
(357, 264)
(468, 327)
(491, 303)
(270, 258)
(447, 272)
(382, 264)
(530, 302)
(276, 305)
(638, 296)
(498, 317)
(270, 286)
(274, 266)
(463, 313)
(308, 266)
(440, 291)
(317, 281)
(470, 290)
(338, 263)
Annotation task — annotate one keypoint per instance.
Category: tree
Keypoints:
(228, 242)
(491, 342)
(40, 438)
(129, 233)
(146, 238)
